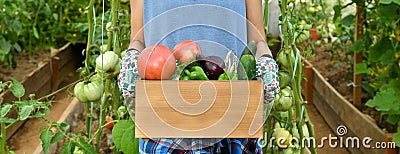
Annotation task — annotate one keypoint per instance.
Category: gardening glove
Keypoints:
(128, 73)
(267, 70)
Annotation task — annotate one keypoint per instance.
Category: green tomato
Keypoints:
(122, 111)
(94, 89)
(107, 62)
(282, 58)
(282, 137)
(284, 79)
(90, 91)
(318, 43)
(283, 100)
(301, 27)
(79, 92)
(311, 10)
(318, 8)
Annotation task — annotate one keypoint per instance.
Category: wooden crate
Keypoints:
(199, 109)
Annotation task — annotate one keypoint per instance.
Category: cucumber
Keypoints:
(247, 67)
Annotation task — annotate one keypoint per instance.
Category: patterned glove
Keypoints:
(267, 70)
(128, 73)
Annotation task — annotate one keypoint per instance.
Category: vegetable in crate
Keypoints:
(156, 62)
(186, 51)
(213, 66)
(197, 73)
(247, 66)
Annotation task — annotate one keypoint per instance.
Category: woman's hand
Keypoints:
(267, 70)
(128, 73)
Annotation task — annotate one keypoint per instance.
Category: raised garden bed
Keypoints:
(337, 111)
(48, 75)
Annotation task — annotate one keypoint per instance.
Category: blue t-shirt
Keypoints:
(217, 25)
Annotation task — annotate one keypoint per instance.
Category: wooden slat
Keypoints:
(308, 72)
(343, 110)
(199, 109)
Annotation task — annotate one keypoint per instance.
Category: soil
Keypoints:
(338, 71)
(25, 65)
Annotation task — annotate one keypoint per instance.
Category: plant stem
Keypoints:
(114, 19)
(310, 127)
(90, 35)
(102, 113)
(59, 90)
(3, 138)
(266, 12)
(116, 101)
(87, 118)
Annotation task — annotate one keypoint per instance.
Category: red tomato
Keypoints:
(186, 51)
(156, 62)
(110, 124)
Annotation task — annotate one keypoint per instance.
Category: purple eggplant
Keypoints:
(213, 66)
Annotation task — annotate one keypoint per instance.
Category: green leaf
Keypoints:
(393, 119)
(55, 16)
(4, 46)
(362, 68)
(338, 13)
(85, 146)
(388, 57)
(377, 50)
(123, 135)
(389, 1)
(17, 47)
(357, 46)
(348, 20)
(45, 137)
(368, 88)
(387, 99)
(64, 126)
(383, 101)
(68, 147)
(35, 32)
(388, 12)
(25, 111)
(17, 89)
(5, 109)
(7, 120)
(396, 137)
(57, 137)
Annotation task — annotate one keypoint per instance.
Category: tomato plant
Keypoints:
(107, 31)
(29, 108)
(289, 116)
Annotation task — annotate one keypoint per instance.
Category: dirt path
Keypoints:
(322, 130)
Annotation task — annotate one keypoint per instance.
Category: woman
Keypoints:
(218, 26)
